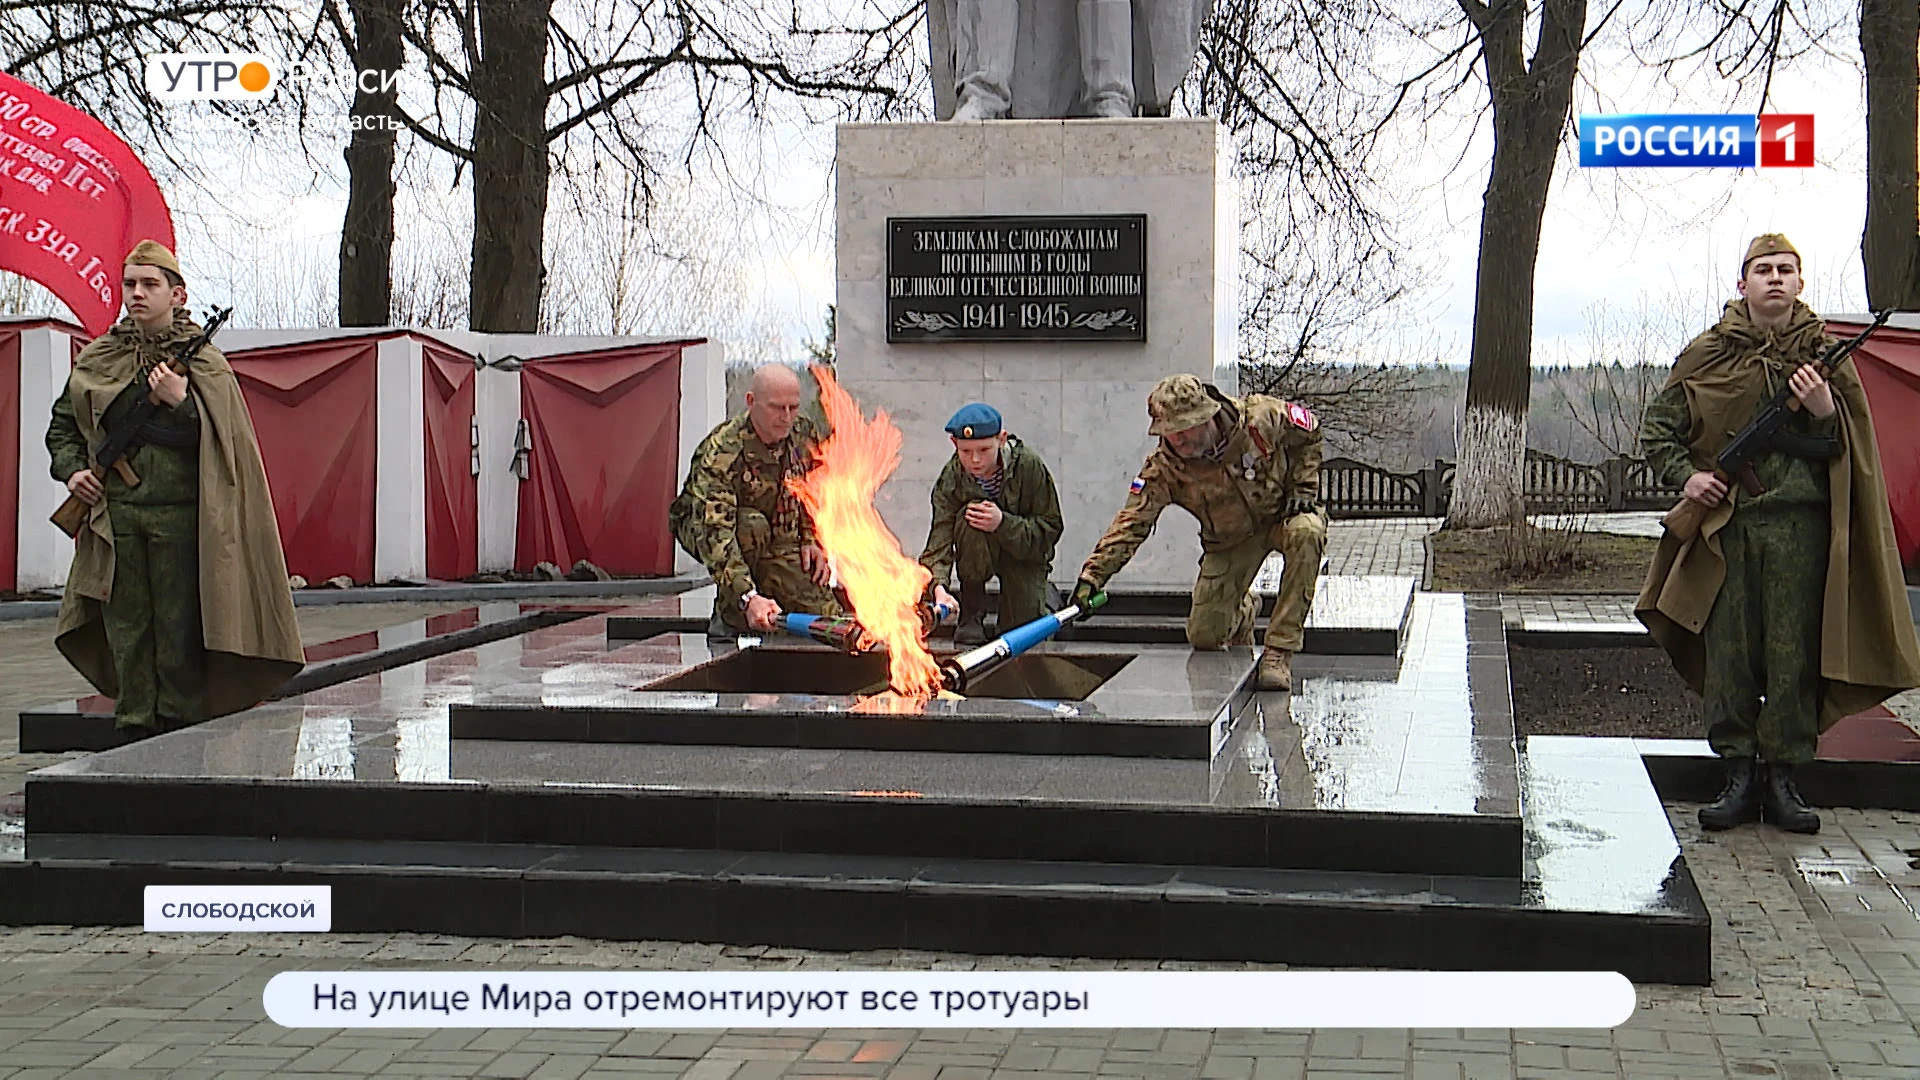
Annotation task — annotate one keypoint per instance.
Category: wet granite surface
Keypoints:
(1356, 734)
(1430, 736)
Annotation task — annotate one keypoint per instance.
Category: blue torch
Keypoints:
(958, 672)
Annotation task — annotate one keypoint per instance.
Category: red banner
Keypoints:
(74, 199)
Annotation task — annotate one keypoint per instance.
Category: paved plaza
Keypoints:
(1816, 958)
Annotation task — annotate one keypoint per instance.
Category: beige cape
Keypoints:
(246, 606)
(1868, 650)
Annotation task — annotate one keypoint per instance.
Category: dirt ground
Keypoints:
(1629, 691)
(1482, 560)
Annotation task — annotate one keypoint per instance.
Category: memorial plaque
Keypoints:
(1070, 278)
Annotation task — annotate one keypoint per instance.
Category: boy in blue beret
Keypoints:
(995, 514)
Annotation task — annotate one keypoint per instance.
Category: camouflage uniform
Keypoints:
(1019, 552)
(152, 615)
(737, 516)
(1762, 690)
(1268, 461)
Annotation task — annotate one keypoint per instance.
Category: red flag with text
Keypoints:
(74, 199)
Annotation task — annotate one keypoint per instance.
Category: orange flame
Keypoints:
(889, 703)
(884, 585)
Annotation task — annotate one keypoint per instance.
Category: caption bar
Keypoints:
(939, 999)
(228, 908)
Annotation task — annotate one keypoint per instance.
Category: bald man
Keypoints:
(737, 516)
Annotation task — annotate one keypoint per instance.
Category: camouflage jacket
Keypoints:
(1031, 525)
(1677, 443)
(733, 471)
(1272, 451)
(166, 459)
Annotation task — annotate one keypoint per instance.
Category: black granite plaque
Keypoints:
(1070, 278)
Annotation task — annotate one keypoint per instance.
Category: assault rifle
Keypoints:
(113, 450)
(1736, 459)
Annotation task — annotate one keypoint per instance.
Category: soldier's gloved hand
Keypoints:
(1083, 593)
(1301, 503)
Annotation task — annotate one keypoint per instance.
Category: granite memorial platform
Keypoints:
(87, 723)
(1364, 615)
(1870, 760)
(1378, 816)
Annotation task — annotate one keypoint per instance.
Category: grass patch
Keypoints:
(1535, 560)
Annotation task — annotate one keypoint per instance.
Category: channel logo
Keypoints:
(1695, 141)
(212, 76)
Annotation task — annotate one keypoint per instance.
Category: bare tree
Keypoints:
(20, 296)
(522, 90)
(822, 351)
(1322, 263)
(1530, 98)
(373, 46)
(1890, 244)
(92, 54)
(1628, 353)
(1748, 44)
(672, 270)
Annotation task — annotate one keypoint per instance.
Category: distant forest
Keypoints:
(1585, 413)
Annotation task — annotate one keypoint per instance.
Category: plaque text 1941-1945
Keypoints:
(1074, 278)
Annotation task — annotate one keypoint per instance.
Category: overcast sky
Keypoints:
(1611, 236)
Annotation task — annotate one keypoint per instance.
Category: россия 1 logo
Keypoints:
(1707, 140)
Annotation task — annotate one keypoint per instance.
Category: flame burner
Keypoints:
(884, 585)
(769, 670)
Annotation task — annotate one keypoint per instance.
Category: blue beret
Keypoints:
(975, 421)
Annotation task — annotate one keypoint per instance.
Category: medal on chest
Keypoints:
(1247, 461)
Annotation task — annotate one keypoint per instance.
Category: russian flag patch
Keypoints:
(1138, 484)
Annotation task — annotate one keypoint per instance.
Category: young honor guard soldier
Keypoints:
(177, 604)
(1248, 469)
(1787, 611)
(995, 513)
(736, 515)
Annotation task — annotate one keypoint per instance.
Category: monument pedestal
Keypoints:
(1080, 404)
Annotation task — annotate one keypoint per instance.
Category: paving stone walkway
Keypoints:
(1379, 546)
(1395, 545)
(1816, 960)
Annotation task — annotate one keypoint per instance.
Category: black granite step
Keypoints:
(1172, 630)
(1088, 910)
(1056, 699)
(1687, 770)
(840, 823)
(1353, 616)
(87, 723)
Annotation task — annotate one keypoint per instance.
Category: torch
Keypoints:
(958, 672)
(839, 631)
(846, 634)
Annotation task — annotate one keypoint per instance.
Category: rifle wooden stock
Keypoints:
(1685, 519)
(72, 516)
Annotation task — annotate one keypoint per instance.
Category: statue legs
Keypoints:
(1106, 56)
(983, 44)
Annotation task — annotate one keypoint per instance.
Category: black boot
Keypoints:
(1783, 804)
(1739, 801)
(972, 629)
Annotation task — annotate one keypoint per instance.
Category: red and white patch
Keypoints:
(1301, 417)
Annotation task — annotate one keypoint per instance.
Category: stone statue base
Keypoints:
(1081, 405)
